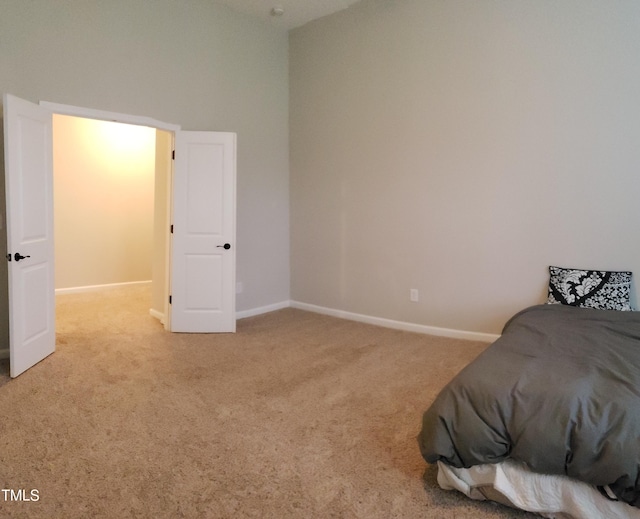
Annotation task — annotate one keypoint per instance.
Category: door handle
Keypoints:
(17, 256)
(226, 246)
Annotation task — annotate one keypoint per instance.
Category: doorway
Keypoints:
(111, 206)
(200, 250)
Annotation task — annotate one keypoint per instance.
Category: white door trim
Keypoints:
(91, 113)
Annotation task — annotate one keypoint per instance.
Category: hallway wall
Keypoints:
(103, 201)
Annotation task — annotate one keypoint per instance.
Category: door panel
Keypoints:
(33, 279)
(29, 195)
(203, 270)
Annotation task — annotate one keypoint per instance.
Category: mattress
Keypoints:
(512, 484)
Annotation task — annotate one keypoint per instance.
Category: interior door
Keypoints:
(203, 239)
(29, 199)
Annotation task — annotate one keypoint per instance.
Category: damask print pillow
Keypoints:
(599, 289)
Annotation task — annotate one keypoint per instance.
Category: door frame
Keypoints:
(91, 113)
(103, 115)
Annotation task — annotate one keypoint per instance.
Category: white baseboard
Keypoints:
(158, 315)
(342, 314)
(263, 309)
(92, 288)
(4, 354)
(399, 325)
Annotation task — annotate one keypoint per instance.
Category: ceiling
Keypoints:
(295, 12)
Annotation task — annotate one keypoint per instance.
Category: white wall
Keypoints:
(103, 178)
(460, 148)
(193, 63)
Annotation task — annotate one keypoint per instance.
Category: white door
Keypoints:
(203, 239)
(29, 195)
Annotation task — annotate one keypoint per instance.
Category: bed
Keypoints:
(547, 418)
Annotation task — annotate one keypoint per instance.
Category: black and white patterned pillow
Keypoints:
(590, 288)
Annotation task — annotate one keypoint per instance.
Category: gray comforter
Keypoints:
(559, 390)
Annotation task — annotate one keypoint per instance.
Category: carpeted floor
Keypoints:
(295, 415)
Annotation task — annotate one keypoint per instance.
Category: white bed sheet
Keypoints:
(513, 484)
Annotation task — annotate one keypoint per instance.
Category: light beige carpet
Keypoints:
(295, 415)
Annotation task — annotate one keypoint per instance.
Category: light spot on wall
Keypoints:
(103, 201)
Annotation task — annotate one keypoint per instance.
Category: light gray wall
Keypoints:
(460, 148)
(192, 63)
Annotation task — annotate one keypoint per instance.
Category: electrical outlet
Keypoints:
(414, 296)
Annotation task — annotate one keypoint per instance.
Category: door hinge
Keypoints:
(171, 228)
(173, 154)
(169, 299)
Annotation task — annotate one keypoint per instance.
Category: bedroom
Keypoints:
(457, 148)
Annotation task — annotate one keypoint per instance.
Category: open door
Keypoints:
(29, 194)
(203, 239)
(202, 274)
